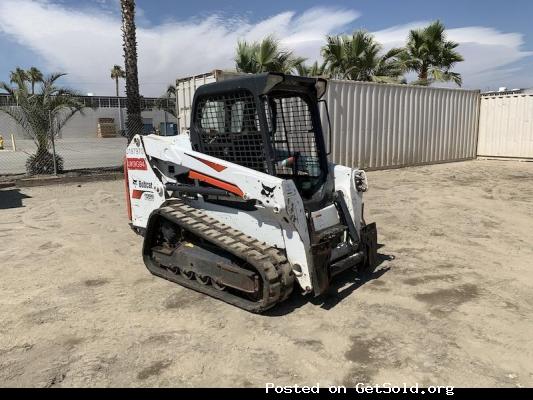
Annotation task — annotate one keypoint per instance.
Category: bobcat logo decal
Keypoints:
(268, 191)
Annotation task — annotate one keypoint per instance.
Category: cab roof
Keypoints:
(264, 83)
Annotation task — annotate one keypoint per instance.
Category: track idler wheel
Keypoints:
(218, 286)
(204, 280)
(174, 270)
(187, 274)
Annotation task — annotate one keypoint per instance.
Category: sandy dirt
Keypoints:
(451, 302)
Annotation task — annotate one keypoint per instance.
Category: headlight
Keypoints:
(360, 182)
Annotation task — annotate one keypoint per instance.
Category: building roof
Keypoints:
(147, 103)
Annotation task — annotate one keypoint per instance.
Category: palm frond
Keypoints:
(171, 90)
(53, 77)
(117, 72)
(265, 56)
(18, 76)
(360, 57)
(245, 57)
(421, 82)
(445, 76)
(428, 52)
(386, 79)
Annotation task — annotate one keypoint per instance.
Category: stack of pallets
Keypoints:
(106, 128)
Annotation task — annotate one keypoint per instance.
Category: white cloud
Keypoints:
(87, 42)
(487, 53)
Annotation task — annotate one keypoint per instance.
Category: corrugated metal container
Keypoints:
(185, 88)
(377, 126)
(506, 126)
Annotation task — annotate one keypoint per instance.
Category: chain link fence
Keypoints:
(90, 142)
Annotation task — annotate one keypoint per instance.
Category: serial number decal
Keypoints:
(136, 163)
(149, 196)
(135, 151)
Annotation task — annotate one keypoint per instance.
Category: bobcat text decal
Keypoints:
(142, 184)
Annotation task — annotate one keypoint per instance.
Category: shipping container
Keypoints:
(378, 126)
(185, 88)
(506, 126)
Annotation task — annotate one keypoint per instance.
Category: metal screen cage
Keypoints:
(229, 129)
(293, 136)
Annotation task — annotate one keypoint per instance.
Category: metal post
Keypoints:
(178, 115)
(119, 115)
(165, 120)
(13, 142)
(53, 143)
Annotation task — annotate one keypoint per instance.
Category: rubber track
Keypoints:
(268, 261)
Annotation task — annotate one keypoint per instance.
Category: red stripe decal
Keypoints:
(216, 182)
(127, 184)
(214, 165)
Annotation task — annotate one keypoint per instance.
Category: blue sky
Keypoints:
(509, 16)
(180, 38)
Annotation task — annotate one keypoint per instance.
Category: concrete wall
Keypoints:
(84, 126)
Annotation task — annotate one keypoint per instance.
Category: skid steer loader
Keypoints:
(246, 205)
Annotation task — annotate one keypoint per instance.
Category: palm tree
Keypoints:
(360, 57)
(265, 56)
(431, 56)
(117, 73)
(167, 102)
(18, 76)
(315, 70)
(134, 123)
(42, 115)
(34, 75)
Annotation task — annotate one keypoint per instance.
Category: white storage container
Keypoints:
(185, 88)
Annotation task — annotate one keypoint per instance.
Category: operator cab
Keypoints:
(270, 123)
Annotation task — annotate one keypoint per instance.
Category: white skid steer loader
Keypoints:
(247, 204)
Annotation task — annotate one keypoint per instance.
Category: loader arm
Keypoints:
(279, 207)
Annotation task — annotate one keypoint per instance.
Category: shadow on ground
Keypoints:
(342, 286)
(11, 198)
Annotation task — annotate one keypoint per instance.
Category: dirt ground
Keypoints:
(450, 304)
